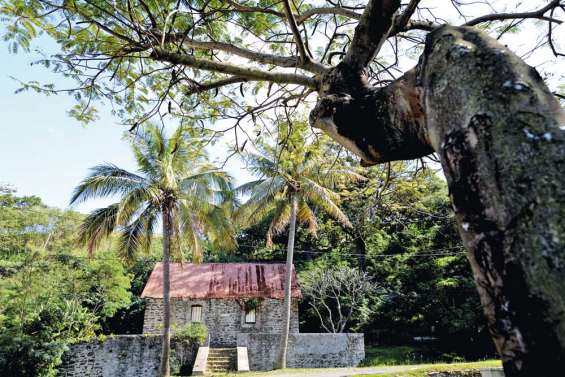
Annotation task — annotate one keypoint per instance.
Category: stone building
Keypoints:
(229, 298)
(240, 303)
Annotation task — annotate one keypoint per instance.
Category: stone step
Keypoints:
(225, 366)
(220, 362)
(220, 370)
(220, 366)
(219, 358)
(214, 349)
(222, 355)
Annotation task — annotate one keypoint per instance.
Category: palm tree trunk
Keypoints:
(166, 344)
(361, 251)
(288, 281)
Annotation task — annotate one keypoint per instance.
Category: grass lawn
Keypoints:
(416, 362)
(418, 370)
(422, 370)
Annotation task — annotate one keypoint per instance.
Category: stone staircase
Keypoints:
(221, 360)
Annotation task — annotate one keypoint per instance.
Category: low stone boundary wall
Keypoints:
(125, 356)
(304, 350)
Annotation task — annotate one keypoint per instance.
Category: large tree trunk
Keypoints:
(496, 128)
(166, 343)
(288, 281)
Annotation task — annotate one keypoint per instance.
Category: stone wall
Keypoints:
(225, 318)
(124, 356)
(304, 350)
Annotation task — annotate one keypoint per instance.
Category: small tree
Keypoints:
(336, 294)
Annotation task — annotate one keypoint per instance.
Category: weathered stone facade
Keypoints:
(304, 350)
(225, 318)
(125, 356)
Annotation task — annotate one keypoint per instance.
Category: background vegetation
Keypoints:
(422, 305)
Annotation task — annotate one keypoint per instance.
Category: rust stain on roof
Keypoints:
(222, 280)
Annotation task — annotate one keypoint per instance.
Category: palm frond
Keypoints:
(306, 215)
(213, 186)
(223, 235)
(188, 227)
(98, 225)
(145, 163)
(261, 165)
(331, 177)
(135, 201)
(281, 218)
(324, 199)
(254, 211)
(137, 235)
(106, 180)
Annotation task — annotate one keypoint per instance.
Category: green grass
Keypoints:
(418, 370)
(420, 361)
(423, 370)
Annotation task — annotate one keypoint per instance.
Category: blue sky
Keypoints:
(46, 153)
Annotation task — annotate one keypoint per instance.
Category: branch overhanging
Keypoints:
(251, 74)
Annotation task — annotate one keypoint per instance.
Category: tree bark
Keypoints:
(166, 343)
(495, 126)
(361, 251)
(499, 134)
(288, 281)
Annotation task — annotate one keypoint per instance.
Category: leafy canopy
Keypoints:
(172, 172)
(297, 168)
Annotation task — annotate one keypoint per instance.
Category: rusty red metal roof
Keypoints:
(222, 280)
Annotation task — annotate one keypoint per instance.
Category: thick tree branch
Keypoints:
(371, 32)
(251, 74)
(300, 19)
(280, 61)
(250, 9)
(401, 21)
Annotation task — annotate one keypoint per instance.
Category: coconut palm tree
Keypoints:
(174, 185)
(291, 183)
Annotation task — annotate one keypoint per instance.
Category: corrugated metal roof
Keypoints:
(222, 280)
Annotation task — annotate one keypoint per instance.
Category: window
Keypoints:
(250, 315)
(196, 313)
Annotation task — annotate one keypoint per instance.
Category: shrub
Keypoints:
(194, 332)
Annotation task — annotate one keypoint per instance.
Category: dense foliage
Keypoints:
(51, 295)
(403, 239)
